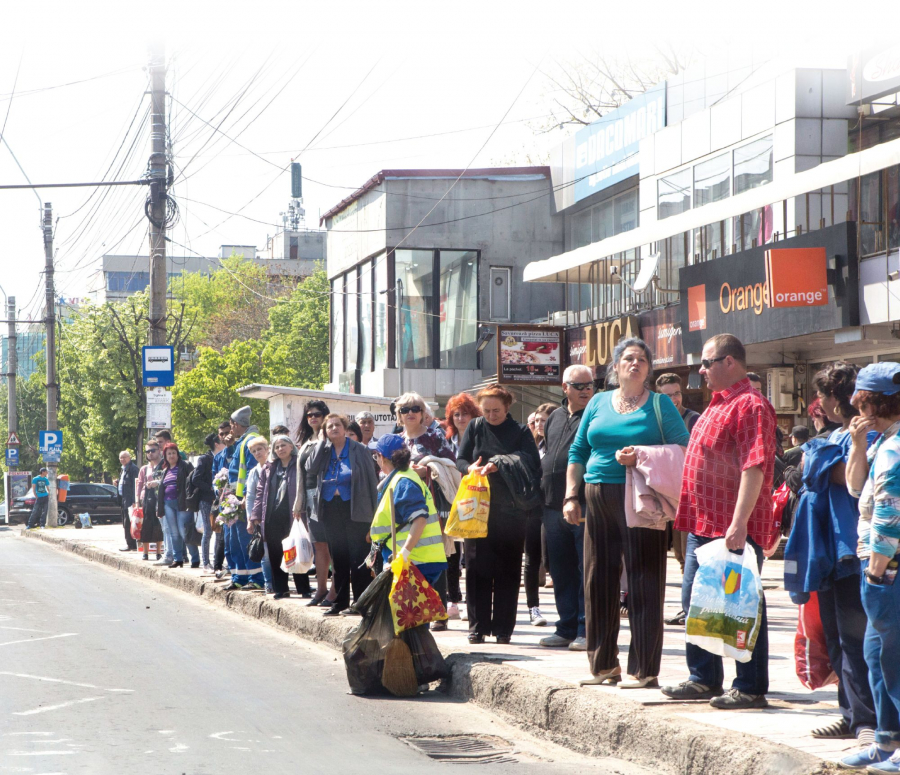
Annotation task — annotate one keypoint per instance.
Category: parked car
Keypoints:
(101, 501)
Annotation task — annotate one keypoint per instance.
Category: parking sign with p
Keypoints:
(50, 445)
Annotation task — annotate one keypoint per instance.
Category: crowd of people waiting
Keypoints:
(562, 496)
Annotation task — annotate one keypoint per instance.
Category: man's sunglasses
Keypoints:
(314, 414)
(580, 385)
(152, 449)
(707, 362)
(408, 409)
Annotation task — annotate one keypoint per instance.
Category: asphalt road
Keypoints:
(104, 673)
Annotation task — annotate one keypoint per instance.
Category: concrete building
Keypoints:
(457, 242)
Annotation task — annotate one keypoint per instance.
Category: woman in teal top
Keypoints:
(613, 423)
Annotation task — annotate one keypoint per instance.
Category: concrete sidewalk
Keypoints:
(793, 711)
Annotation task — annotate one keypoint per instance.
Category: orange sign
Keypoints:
(697, 307)
(797, 277)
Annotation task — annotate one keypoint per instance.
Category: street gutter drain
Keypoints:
(463, 749)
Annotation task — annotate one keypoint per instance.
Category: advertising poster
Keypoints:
(529, 355)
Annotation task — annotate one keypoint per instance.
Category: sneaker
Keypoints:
(464, 614)
(735, 699)
(167, 563)
(207, 569)
(254, 587)
(891, 765)
(453, 611)
(837, 730)
(579, 644)
(554, 642)
(691, 690)
(233, 587)
(220, 573)
(536, 619)
(865, 758)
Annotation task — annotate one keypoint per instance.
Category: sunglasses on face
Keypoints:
(314, 414)
(408, 409)
(151, 450)
(707, 362)
(580, 385)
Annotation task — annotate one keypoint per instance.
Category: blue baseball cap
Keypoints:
(389, 443)
(881, 378)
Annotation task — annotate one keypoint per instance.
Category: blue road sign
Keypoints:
(159, 366)
(12, 456)
(50, 445)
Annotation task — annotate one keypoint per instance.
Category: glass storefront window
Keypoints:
(712, 180)
(365, 317)
(458, 309)
(581, 229)
(753, 165)
(713, 241)
(414, 268)
(351, 311)
(626, 212)
(674, 194)
(337, 327)
(381, 312)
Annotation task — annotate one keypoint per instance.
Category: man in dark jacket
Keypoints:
(565, 542)
(127, 477)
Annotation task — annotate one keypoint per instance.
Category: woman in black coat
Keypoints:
(494, 563)
(275, 495)
(172, 503)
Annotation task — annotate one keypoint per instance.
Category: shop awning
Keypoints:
(788, 186)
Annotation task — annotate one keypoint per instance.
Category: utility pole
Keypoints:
(12, 366)
(50, 350)
(158, 189)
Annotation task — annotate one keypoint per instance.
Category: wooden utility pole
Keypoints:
(158, 188)
(12, 366)
(50, 322)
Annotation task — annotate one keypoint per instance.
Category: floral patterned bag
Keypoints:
(413, 600)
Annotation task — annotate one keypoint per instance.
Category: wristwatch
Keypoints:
(873, 578)
(570, 498)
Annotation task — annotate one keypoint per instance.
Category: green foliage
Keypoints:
(31, 403)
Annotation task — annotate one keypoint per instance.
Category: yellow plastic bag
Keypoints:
(469, 515)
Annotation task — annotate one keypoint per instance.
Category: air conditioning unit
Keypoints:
(780, 390)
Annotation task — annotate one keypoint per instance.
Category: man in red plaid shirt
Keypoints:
(727, 492)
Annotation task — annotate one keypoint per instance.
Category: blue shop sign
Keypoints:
(607, 150)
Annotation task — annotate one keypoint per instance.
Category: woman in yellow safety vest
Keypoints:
(418, 529)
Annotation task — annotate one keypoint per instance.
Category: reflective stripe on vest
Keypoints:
(242, 465)
(430, 546)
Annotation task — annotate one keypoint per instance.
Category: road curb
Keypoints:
(588, 722)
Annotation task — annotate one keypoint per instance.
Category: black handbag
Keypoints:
(256, 549)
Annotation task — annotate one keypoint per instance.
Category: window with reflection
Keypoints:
(674, 253)
(381, 312)
(337, 327)
(365, 317)
(458, 309)
(712, 180)
(414, 269)
(753, 165)
(351, 312)
(674, 194)
(602, 221)
(626, 212)
(581, 229)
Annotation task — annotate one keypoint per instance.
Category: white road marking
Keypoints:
(62, 681)
(179, 748)
(33, 640)
(221, 736)
(23, 629)
(45, 708)
(15, 734)
(167, 731)
(39, 753)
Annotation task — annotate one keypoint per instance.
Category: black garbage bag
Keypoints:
(427, 659)
(365, 645)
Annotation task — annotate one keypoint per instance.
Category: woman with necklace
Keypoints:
(614, 422)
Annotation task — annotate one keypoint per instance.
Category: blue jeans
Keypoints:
(207, 532)
(565, 553)
(882, 648)
(706, 668)
(176, 530)
(38, 517)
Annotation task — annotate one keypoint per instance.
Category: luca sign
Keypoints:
(761, 295)
(159, 366)
(607, 150)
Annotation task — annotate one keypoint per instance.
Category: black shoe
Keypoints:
(232, 587)
(439, 626)
(326, 603)
(503, 640)
(146, 556)
(678, 620)
(475, 638)
(158, 556)
(127, 549)
(280, 595)
(734, 699)
(691, 690)
(178, 564)
(195, 564)
(335, 610)
(317, 600)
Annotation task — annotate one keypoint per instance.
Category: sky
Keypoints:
(346, 89)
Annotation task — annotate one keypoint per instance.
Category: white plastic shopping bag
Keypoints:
(726, 602)
(298, 550)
